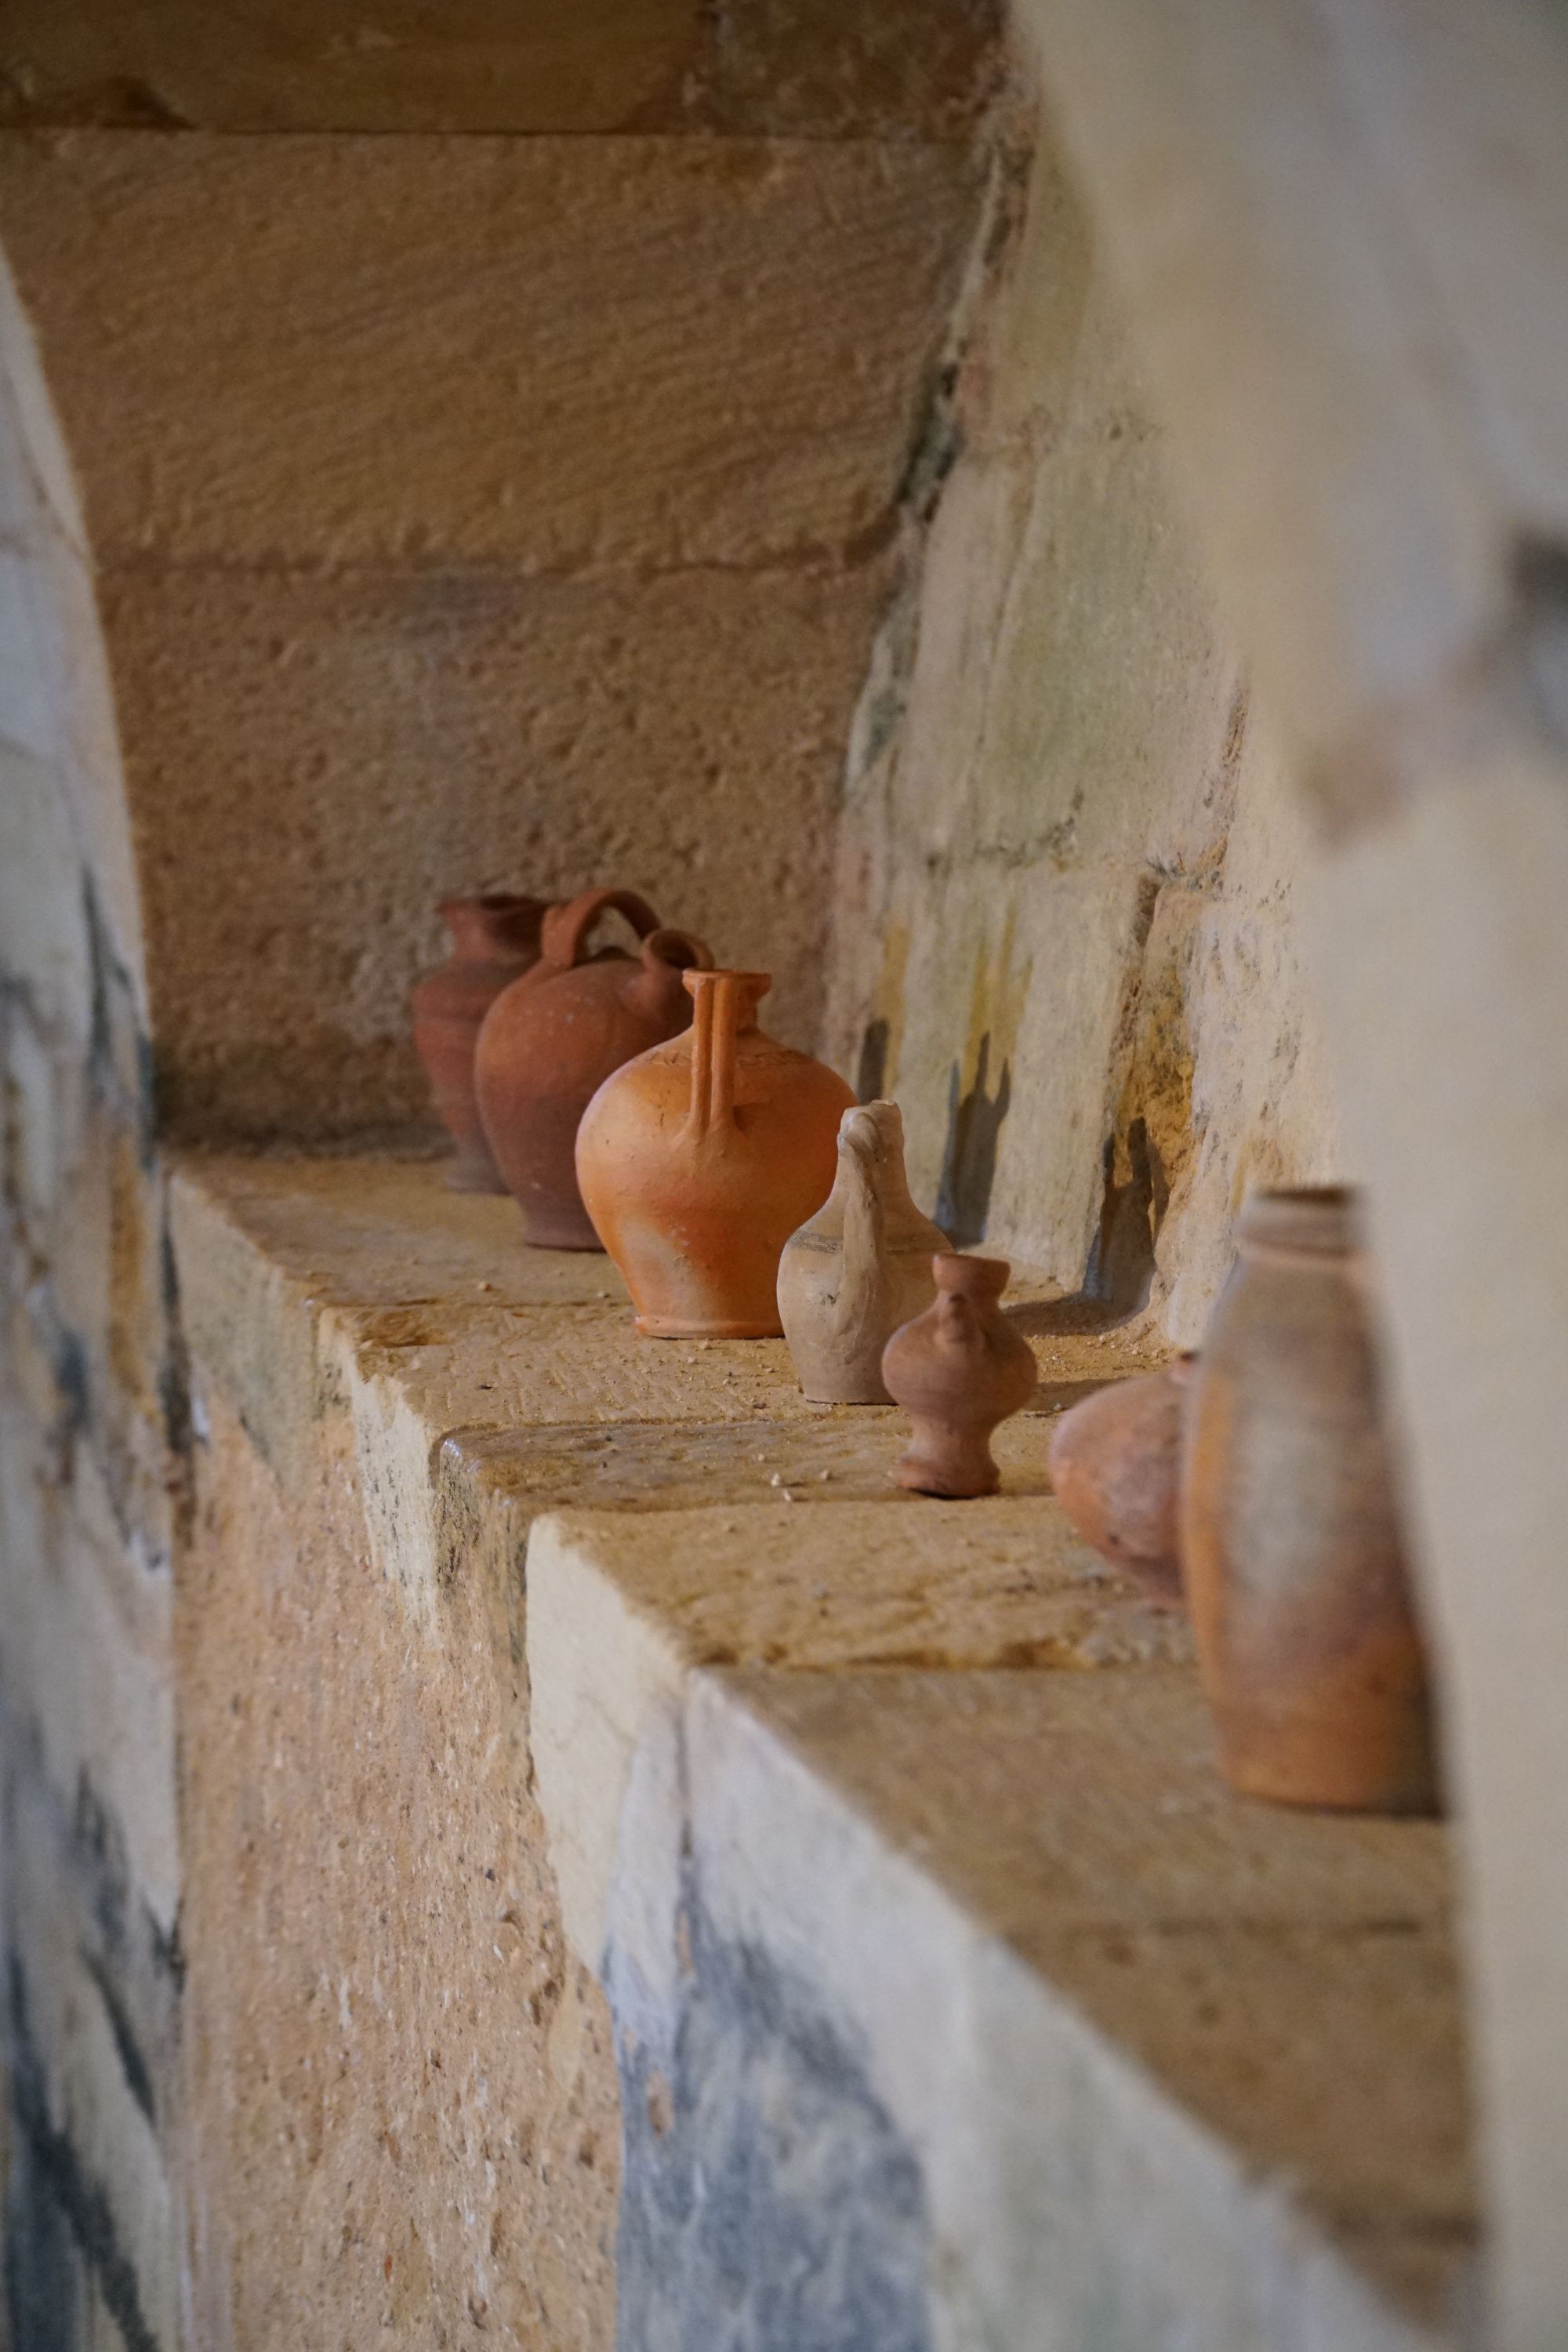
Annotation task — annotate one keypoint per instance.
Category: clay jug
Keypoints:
(698, 1160)
(551, 1040)
(1115, 1461)
(1295, 1570)
(494, 940)
(958, 1370)
(859, 1267)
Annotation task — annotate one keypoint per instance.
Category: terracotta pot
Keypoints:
(958, 1370)
(1291, 1550)
(698, 1160)
(1115, 1460)
(556, 1035)
(860, 1268)
(494, 940)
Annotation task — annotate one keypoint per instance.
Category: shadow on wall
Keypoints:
(1120, 1270)
(872, 1069)
(969, 1156)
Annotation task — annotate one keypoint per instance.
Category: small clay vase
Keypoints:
(958, 1370)
(859, 1267)
(1291, 1549)
(699, 1159)
(1115, 1463)
(495, 940)
(550, 1040)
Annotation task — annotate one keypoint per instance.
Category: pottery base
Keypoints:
(922, 1479)
(666, 1327)
(469, 1174)
(1321, 1771)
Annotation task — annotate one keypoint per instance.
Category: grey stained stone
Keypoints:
(769, 2203)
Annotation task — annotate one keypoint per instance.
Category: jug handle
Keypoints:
(565, 929)
(721, 1001)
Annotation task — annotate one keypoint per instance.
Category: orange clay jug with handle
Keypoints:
(698, 1160)
(553, 1038)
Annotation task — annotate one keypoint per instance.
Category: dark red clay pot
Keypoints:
(1115, 1470)
(495, 940)
(958, 1370)
(551, 1040)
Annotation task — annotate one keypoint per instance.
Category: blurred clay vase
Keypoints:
(1294, 1566)
(1115, 1461)
(495, 940)
(958, 1370)
(699, 1159)
(551, 1040)
(859, 1267)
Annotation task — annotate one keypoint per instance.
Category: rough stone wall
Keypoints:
(93, 1425)
(1065, 923)
(497, 508)
(478, 502)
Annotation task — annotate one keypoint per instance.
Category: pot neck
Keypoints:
(499, 928)
(1309, 1221)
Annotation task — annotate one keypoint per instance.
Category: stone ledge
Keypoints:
(911, 1933)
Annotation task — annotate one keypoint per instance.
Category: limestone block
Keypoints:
(396, 2070)
(816, 66)
(878, 67)
(1004, 1061)
(1444, 919)
(551, 353)
(29, 710)
(1089, 2162)
(38, 488)
(621, 1607)
(1072, 1998)
(1064, 932)
(389, 740)
(1355, 511)
(91, 2184)
(1265, 1087)
(89, 1668)
(292, 66)
(42, 917)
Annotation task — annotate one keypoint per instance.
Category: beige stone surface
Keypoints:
(1284, 1981)
(388, 741)
(359, 1548)
(892, 67)
(307, 1280)
(998, 1582)
(543, 353)
(376, 1364)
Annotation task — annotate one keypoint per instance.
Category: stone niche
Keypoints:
(485, 1840)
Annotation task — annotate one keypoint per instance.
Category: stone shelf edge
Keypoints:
(888, 1827)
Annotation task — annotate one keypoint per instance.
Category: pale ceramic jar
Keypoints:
(860, 1268)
